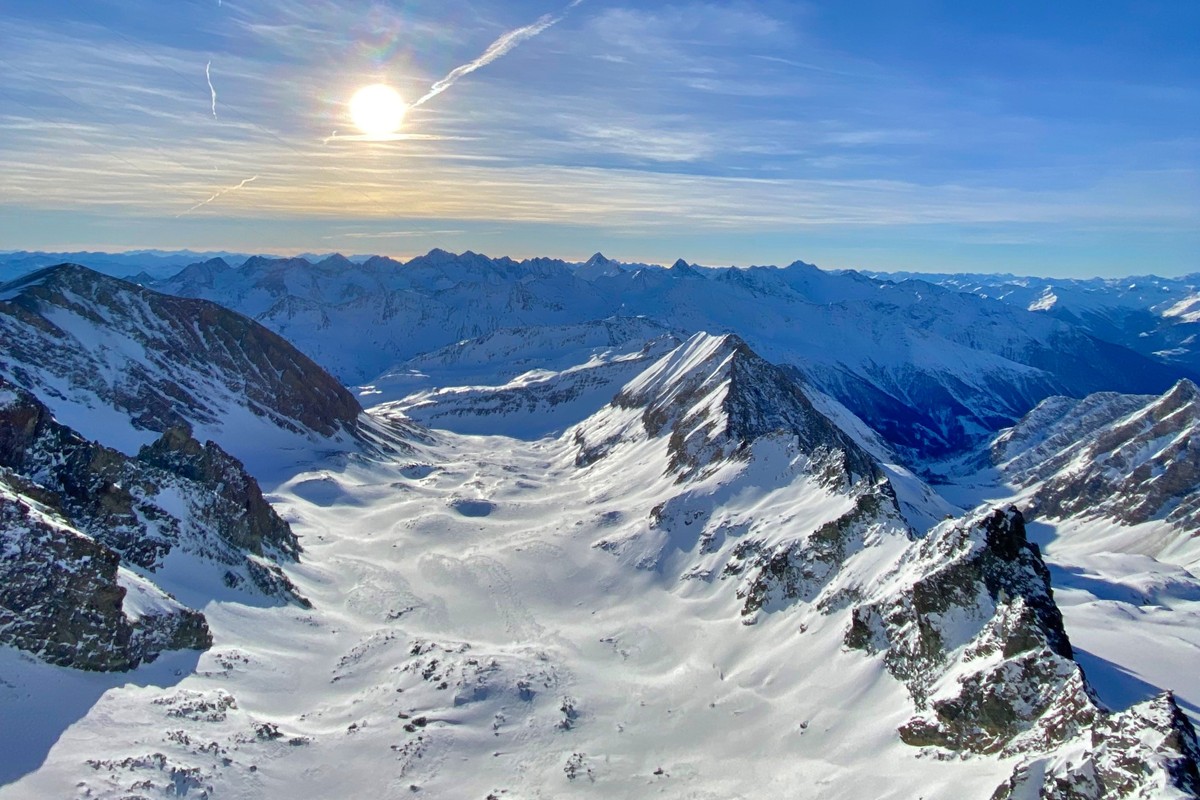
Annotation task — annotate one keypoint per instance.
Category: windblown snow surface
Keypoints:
(468, 639)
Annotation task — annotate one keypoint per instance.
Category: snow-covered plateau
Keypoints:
(587, 530)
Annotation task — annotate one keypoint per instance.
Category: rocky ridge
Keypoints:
(1142, 466)
(80, 513)
(65, 598)
(967, 620)
(84, 341)
(1126, 459)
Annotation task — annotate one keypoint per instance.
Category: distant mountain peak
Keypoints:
(335, 261)
(1183, 392)
(598, 266)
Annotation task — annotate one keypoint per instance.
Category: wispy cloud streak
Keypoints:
(495, 50)
(224, 191)
(211, 89)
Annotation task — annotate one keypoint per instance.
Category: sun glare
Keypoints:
(377, 110)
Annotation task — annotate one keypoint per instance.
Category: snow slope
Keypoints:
(666, 614)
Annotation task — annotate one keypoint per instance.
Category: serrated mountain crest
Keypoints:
(1132, 459)
(714, 396)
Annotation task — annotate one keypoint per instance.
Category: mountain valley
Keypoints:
(471, 527)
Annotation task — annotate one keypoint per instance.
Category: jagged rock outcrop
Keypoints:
(800, 570)
(1148, 751)
(65, 598)
(967, 621)
(84, 340)
(250, 523)
(217, 510)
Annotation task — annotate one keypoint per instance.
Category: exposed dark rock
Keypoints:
(250, 523)
(116, 499)
(1134, 754)
(968, 622)
(60, 598)
(800, 570)
(981, 585)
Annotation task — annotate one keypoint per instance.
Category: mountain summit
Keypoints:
(122, 363)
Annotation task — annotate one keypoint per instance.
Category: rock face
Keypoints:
(86, 341)
(967, 621)
(217, 511)
(713, 396)
(65, 598)
(238, 513)
(982, 587)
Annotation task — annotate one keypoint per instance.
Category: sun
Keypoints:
(377, 110)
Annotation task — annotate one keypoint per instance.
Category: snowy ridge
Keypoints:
(121, 364)
(1131, 460)
(709, 399)
(532, 405)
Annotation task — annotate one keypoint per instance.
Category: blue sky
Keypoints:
(1030, 137)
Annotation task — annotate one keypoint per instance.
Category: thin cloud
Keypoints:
(497, 49)
(211, 89)
(395, 137)
(217, 195)
(394, 234)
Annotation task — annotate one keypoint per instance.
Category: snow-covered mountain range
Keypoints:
(603, 530)
(1159, 317)
(933, 370)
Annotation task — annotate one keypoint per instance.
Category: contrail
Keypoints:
(497, 49)
(215, 196)
(213, 91)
